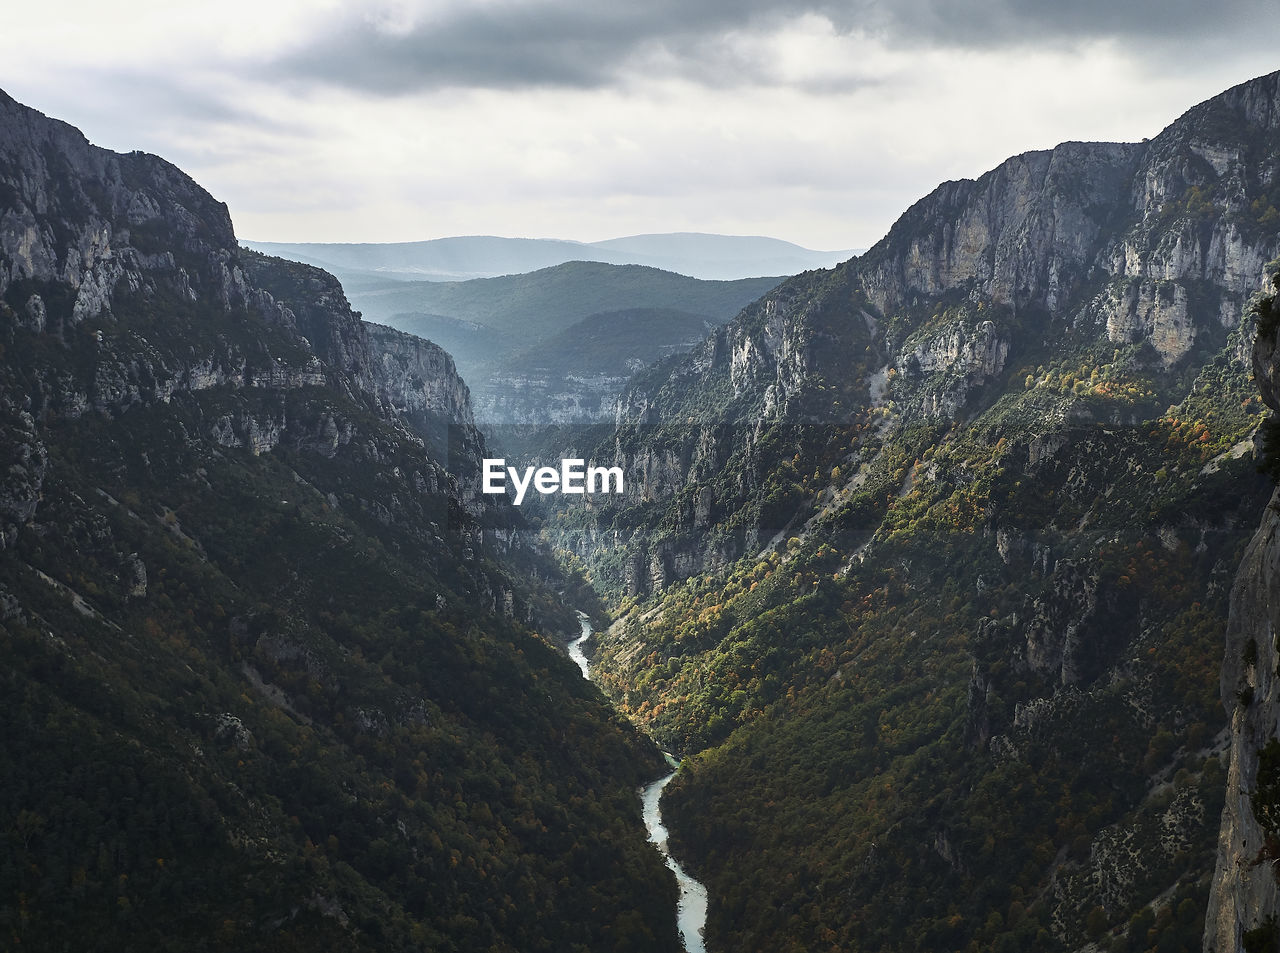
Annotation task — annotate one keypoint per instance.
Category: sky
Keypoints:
(815, 122)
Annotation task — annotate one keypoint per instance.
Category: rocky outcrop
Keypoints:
(311, 302)
(1071, 625)
(538, 400)
(1024, 234)
(1153, 242)
(417, 378)
(944, 366)
(1246, 889)
(80, 223)
(130, 271)
(1245, 892)
(23, 463)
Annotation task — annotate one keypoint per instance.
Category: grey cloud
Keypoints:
(988, 23)
(567, 44)
(557, 44)
(525, 45)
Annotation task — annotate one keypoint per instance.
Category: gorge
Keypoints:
(923, 569)
(691, 913)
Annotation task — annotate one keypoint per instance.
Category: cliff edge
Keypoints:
(1245, 895)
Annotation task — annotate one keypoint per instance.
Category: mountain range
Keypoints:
(948, 572)
(696, 255)
(486, 324)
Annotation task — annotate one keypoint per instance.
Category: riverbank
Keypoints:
(691, 908)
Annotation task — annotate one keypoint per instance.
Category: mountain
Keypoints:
(925, 562)
(697, 255)
(721, 256)
(489, 324)
(275, 675)
(535, 305)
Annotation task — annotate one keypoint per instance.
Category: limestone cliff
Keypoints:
(418, 378)
(114, 259)
(1145, 242)
(1159, 243)
(78, 222)
(1023, 234)
(1140, 256)
(1246, 891)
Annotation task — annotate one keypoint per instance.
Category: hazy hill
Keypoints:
(488, 323)
(527, 308)
(715, 257)
(615, 342)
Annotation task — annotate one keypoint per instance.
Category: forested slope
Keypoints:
(274, 676)
(925, 559)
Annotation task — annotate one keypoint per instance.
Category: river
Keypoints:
(691, 909)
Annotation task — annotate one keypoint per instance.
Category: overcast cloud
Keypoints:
(816, 122)
(514, 44)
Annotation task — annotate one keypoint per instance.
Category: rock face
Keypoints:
(1070, 622)
(1149, 251)
(80, 222)
(1024, 234)
(947, 366)
(87, 235)
(537, 400)
(1246, 893)
(83, 226)
(1144, 243)
(418, 378)
(1130, 239)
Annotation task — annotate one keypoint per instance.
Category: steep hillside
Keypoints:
(925, 559)
(275, 676)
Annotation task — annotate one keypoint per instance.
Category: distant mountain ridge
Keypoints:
(486, 322)
(695, 254)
